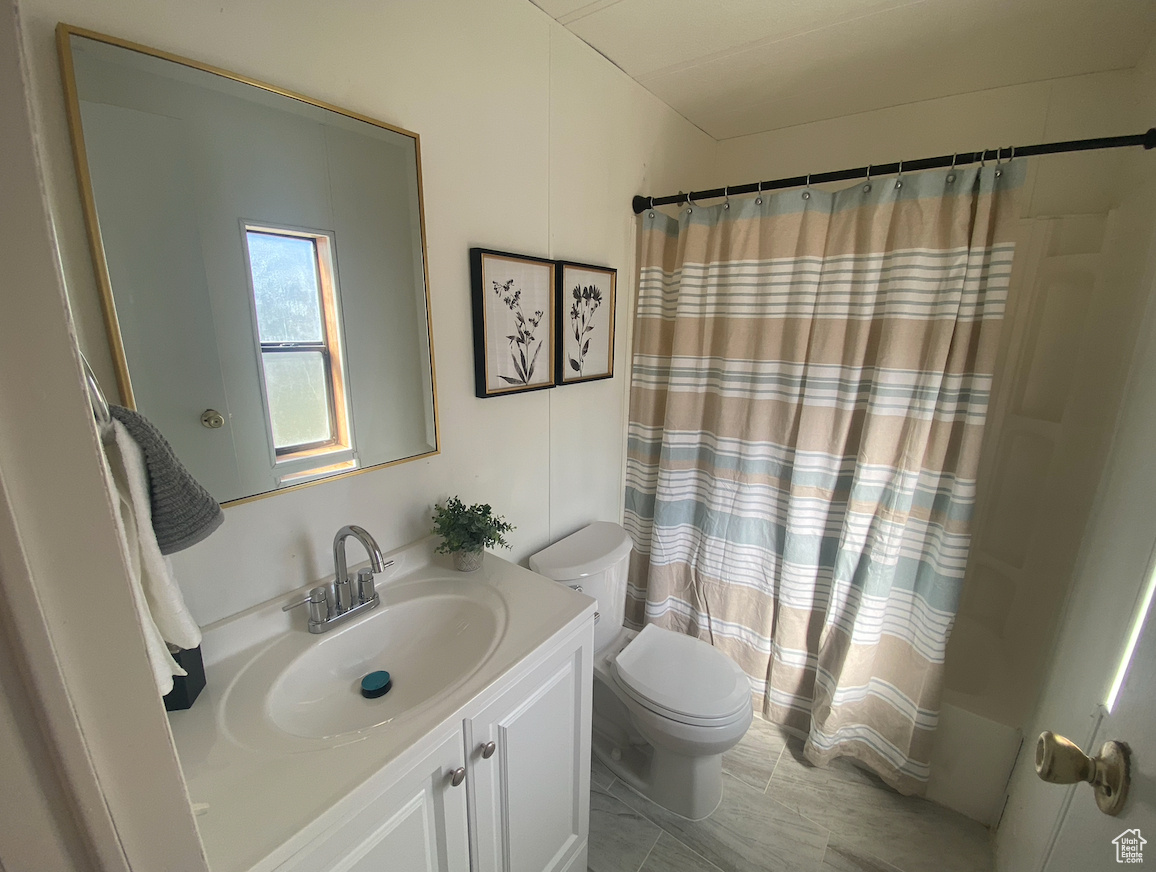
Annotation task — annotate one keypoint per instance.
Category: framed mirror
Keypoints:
(261, 262)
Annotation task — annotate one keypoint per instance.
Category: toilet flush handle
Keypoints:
(578, 588)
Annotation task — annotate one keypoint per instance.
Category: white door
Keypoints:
(531, 786)
(428, 831)
(142, 177)
(1089, 840)
(1058, 828)
(418, 824)
(1112, 634)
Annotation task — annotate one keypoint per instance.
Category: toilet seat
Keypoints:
(682, 678)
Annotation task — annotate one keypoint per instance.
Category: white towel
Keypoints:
(159, 603)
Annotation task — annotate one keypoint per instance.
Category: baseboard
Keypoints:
(578, 861)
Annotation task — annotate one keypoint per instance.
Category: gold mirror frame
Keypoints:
(96, 244)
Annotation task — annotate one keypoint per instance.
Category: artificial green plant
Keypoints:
(468, 528)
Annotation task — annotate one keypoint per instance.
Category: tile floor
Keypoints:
(780, 814)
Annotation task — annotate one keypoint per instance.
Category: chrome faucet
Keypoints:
(337, 601)
(343, 594)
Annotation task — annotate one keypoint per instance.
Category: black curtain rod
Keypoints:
(1148, 140)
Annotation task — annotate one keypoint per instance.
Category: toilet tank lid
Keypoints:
(592, 549)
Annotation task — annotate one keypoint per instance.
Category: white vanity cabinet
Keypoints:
(529, 769)
(520, 805)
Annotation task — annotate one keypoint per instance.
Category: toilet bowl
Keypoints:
(666, 705)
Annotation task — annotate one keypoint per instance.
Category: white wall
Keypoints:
(1068, 108)
(531, 142)
(104, 781)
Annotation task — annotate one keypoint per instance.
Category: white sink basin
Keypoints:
(430, 635)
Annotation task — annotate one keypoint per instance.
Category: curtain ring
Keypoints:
(1009, 160)
(652, 207)
(689, 201)
(998, 162)
(759, 198)
(951, 175)
(807, 191)
(899, 177)
(727, 194)
(867, 187)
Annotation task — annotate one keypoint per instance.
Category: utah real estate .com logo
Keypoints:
(1130, 846)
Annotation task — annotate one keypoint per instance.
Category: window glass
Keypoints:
(298, 392)
(286, 288)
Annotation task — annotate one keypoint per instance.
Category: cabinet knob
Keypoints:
(458, 776)
(488, 750)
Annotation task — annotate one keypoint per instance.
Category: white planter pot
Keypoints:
(468, 561)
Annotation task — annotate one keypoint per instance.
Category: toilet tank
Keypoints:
(594, 560)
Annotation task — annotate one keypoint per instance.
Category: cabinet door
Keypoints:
(532, 795)
(418, 824)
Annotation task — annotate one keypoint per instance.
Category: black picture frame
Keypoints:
(585, 312)
(513, 299)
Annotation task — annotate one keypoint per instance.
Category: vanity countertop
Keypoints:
(269, 793)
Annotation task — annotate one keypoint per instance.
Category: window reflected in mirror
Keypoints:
(297, 319)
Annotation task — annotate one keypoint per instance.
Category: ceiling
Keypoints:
(745, 66)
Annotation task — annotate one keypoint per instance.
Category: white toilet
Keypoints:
(666, 705)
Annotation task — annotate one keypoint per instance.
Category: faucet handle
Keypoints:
(318, 609)
(365, 585)
(316, 595)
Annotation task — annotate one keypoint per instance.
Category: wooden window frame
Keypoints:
(330, 347)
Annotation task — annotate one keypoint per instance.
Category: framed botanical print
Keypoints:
(513, 303)
(585, 322)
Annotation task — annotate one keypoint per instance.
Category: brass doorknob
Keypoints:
(1061, 761)
(212, 419)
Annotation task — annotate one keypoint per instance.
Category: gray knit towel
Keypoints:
(184, 513)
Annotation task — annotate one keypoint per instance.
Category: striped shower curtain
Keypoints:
(810, 379)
